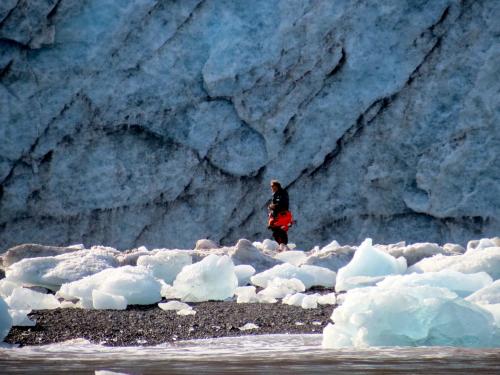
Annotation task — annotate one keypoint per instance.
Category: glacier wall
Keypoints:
(157, 123)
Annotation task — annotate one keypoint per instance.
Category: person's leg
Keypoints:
(277, 235)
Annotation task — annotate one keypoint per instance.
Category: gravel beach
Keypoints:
(150, 325)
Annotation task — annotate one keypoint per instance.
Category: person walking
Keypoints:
(280, 217)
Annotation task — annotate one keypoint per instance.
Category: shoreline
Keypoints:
(148, 325)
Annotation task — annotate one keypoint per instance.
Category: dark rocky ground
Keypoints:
(149, 325)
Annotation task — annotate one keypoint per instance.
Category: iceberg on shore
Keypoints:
(213, 278)
(409, 316)
(52, 272)
(136, 285)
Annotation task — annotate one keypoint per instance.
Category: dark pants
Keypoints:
(280, 236)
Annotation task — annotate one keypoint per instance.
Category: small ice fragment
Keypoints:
(173, 305)
(184, 312)
(294, 299)
(279, 288)
(310, 301)
(248, 326)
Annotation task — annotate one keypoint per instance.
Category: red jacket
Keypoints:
(283, 220)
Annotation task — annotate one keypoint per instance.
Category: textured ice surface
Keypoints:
(279, 288)
(107, 301)
(243, 273)
(488, 295)
(213, 278)
(409, 316)
(165, 265)
(136, 284)
(26, 299)
(5, 319)
(51, 272)
(460, 283)
(310, 275)
(485, 260)
(368, 261)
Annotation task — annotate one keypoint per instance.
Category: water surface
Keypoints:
(267, 354)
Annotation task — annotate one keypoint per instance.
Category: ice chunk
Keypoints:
(108, 301)
(309, 275)
(165, 265)
(243, 273)
(245, 253)
(332, 260)
(332, 246)
(136, 284)
(25, 251)
(174, 305)
(322, 276)
(246, 294)
(294, 299)
(295, 257)
(268, 246)
(415, 252)
(368, 261)
(26, 299)
(184, 312)
(168, 291)
(205, 244)
(409, 316)
(486, 260)
(483, 243)
(248, 326)
(310, 301)
(306, 301)
(213, 278)
(327, 299)
(7, 287)
(279, 288)
(5, 319)
(460, 283)
(51, 272)
(20, 318)
(488, 295)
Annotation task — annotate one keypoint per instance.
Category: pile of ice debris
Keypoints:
(420, 294)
